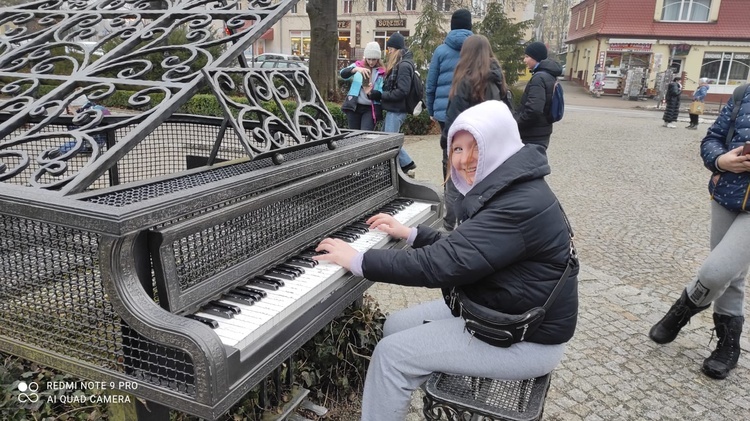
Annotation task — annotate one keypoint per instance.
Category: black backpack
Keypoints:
(416, 92)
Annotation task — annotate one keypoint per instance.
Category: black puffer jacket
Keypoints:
(397, 84)
(462, 99)
(507, 254)
(532, 116)
(674, 90)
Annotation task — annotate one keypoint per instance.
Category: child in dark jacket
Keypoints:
(508, 254)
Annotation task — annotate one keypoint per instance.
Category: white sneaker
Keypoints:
(671, 126)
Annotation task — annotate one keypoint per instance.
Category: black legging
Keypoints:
(361, 118)
(693, 119)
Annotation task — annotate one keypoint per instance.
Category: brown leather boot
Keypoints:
(676, 318)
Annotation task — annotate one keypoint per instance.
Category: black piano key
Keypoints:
(304, 262)
(364, 229)
(342, 236)
(295, 272)
(246, 288)
(275, 273)
(309, 254)
(213, 324)
(407, 202)
(353, 232)
(266, 283)
(222, 312)
(298, 270)
(239, 298)
(232, 308)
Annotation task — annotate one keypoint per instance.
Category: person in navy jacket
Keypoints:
(721, 278)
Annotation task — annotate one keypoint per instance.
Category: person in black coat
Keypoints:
(508, 254)
(674, 90)
(476, 78)
(533, 116)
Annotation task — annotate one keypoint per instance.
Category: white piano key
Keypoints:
(256, 320)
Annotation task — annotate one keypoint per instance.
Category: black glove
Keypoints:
(375, 95)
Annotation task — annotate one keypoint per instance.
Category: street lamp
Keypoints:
(544, 15)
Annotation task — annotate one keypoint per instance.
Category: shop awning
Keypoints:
(268, 35)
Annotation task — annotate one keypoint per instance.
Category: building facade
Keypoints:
(363, 21)
(633, 46)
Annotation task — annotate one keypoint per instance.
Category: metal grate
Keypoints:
(210, 251)
(131, 171)
(52, 299)
(506, 395)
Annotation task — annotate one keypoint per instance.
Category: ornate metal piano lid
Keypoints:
(46, 63)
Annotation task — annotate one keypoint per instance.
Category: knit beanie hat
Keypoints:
(372, 50)
(396, 41)
(461, 19)
(536, 50)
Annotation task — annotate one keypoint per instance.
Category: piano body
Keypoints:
(171, 252)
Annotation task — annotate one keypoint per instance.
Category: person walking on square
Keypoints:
(477, 78)
(507, 255)
(362, 113)
(672, 98)
(698, 95)
(399, 70)
(439, 82)
(533, 117)
(721, 278)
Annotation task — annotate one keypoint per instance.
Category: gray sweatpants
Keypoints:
(411, 350)
(721, 277)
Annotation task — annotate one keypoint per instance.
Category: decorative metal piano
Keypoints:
(169, 250)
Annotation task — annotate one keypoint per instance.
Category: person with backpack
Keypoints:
(533, 115)
(399, 72)
(477, 78)
(721, 278)
(361, 112)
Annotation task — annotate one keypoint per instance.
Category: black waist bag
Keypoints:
(502, 329)
(496, 328)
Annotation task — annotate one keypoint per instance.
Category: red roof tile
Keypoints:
(635, 18)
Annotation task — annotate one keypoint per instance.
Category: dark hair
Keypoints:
(474, 67)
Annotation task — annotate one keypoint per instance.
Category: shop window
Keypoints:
(479, 8)
(300, 41)
(722, 68)
(294, 8)
(411, 5)
(686, 10)
(390, 5)
(372, 5)
(347, 7)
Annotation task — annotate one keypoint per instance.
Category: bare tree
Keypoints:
(324, 41)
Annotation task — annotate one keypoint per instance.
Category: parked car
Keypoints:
(276, 56)
(280, 64)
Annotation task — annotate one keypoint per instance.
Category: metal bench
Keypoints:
(481, 399)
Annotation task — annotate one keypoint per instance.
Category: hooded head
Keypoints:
(495, 132)
(372, 50)
(461, 19)
(703, 81)
(396, 41)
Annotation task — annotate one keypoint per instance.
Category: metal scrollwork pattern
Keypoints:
(157, 54)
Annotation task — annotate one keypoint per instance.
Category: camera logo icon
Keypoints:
(28, 392)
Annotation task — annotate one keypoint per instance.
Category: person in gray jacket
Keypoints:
(508, 254)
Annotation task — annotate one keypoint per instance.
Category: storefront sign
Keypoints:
(629, 47)
(344, 24)
(390, 23)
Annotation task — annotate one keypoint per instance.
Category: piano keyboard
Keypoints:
(248, 312)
